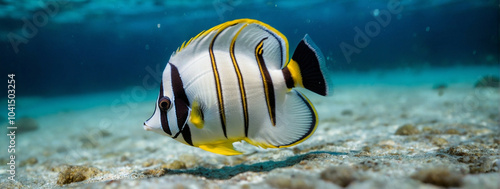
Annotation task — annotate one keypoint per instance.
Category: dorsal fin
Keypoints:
(248, 31)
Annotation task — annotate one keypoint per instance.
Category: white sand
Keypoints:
(458, 132)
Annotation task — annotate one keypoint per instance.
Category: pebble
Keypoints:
(439, 141)
(482, 165)
(407, 129)
(340, 175)
(290, 181)
(452, 132)
(29, 161)
(439, 176)
(72, 174)
(346, 112)
(26, 124)
(176, 164)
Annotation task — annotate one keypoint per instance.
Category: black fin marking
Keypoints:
(309, 58)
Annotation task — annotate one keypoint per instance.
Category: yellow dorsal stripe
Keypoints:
(240, 80)
(220, 97)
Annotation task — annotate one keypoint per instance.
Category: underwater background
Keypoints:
(415, 87)
(98, 45)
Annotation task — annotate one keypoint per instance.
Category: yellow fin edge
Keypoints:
(315, 123)
(230, 23)
(316, 120)
(262, 145)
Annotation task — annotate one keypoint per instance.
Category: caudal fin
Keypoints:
(307, 68)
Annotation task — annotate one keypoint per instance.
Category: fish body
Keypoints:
(235, 82)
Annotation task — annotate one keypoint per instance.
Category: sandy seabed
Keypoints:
(384, 135)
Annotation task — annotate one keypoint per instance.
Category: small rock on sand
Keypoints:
(341, 175)
(439, 176)
(76, 174)
(407, 129)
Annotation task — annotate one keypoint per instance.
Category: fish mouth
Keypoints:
(146, 127)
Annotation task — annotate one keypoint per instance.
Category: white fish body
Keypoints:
(234, 82)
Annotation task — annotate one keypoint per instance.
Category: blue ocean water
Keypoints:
(77, 47)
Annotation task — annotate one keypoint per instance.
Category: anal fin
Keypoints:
(297, 121)
(225, 148)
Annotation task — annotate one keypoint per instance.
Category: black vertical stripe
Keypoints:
(163, 114)
(177, 85)
(288, 78)
(180, 97)
(186, 134)
(181, 105)
(181, 112)
(164, 122)
(266, 81)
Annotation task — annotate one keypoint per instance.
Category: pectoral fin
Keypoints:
(221, 148)
(196, 117)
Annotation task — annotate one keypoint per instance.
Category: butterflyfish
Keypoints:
(235, 82)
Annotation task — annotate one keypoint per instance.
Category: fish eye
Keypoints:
(164, 103)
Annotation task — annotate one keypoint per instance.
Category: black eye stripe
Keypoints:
(164, 122)
(163, 112)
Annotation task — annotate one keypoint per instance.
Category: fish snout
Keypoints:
(146, 127)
